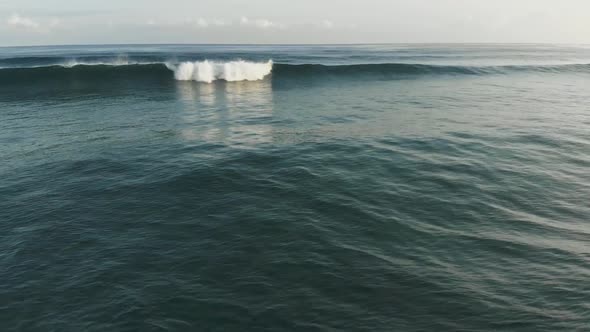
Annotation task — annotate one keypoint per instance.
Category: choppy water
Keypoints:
(354, 188)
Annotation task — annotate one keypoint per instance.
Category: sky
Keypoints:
(48, 22)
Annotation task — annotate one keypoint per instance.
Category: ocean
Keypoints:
(295, 188)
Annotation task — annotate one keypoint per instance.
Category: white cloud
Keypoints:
(218, 22)
(22, 22)
(54, 22)
(17, 21)
(201, 22)
(261, 23)
(205, 23)
(327, 24)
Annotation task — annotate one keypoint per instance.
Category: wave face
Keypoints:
(209, 71)
(231, 71)
(405, 69)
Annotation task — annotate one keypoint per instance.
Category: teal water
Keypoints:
(353, 188)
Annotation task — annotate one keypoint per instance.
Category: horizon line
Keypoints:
(298, 44)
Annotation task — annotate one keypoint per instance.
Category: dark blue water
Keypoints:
(353, 188)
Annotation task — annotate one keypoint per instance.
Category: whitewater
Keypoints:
(209, 71)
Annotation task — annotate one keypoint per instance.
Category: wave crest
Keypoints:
(240, 70)
(209, 71)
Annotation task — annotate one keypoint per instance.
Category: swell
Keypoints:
(420, 69)
(178, 71)
(98, 73)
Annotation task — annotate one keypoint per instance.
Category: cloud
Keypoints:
(54, 23)
(18, 21)
(261, 23)
(218, 22)
(264, 24)
(199, 22)
(205, 23)
(327, 24)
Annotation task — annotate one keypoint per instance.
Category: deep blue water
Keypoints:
(354, 188)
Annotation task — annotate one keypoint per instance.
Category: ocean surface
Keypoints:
(295, 188)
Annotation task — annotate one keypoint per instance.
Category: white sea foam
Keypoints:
(116, 62)
(209, 71)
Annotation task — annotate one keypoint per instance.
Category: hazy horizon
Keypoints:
(483, 44)
(57, 22)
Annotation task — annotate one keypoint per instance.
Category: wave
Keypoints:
(239, 70)
(48, 61)
(208, 71)
(56, 74)
(404, 69)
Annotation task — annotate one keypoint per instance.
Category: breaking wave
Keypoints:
(240, 70)
(209, 71)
